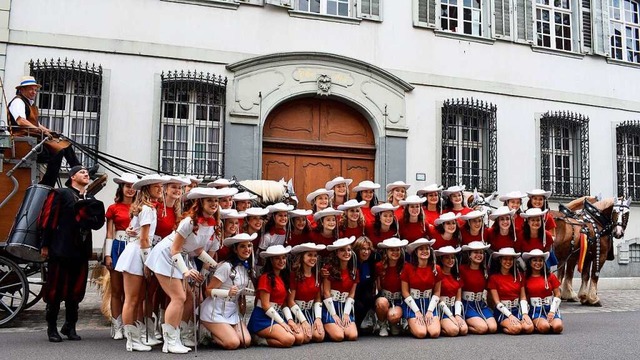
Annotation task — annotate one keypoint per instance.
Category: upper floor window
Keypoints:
(69, 100)
(553, 24)
(328, 7)
(628, 158)
(625, 29)
(469, 17)
(564, 145)
(469, 140)
(192, 124)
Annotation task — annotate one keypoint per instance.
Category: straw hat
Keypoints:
(418, 243)
(366, 185)
(397, 184)
(326, 212)
(383, 207)
(449, 216)
(501, 211)
(507, 251)
(125, 178)
(512, 195)
(230, 241)
(393, 242)
(307, 247)
(340, 243)
(447, 250)
(475, 245)
(535, 253)
(149, 180)
(313, 195)
(275, 250)
(412, 200)
(339, 180)
(353, 203)
(28, 81)
(429, 189)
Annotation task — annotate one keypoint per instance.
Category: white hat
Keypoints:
(238, 238)
(353, 203)
(448, 216)
(391, 243)
(535, 253)
(397, 184)
(125, 178)
(326, 212)
(256, 211)
(219, 183)
(279, 207)
(383, 207)
(473, 214)
(453, 189)
(300, 213)
(475, 245)
(501, 211)
(366, 185)
(506, 251)
(512, 195)
(447, 250)
(148, 180)
(418, 243)
(198, 193)
(340, 243)
(244, 196)
(412, 200)
(194, 179)
(312, 196)
(177, 180)
(231, 214)
(339, 180)
(275, 250)
(429, 189)
(307, 247)
(539, 192)
(533, 212)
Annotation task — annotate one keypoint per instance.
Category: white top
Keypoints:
(147, 216)
(193, 241)
(270, 240)
(18, 109)
(223, 273)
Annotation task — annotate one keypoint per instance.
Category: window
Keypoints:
(553, 24)
(327, 7)
(192, 124)
(634, 253)
(461, 16)
(564, 146)
(625, 29)
(69, 101)
(469, 144)
(628, 158)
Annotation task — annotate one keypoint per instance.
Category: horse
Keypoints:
(610, 218)
(478, 201)
(269, 192)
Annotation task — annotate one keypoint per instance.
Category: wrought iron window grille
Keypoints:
(628, 158)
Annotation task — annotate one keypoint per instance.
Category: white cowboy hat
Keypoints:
(326, 212)
(340, 243)
(231, 214)
(453, 189)
(391, 243)
(501, 211)
(366, 185)
(194, 179)
(300, 213)
(533, 212)
(507, 251)
(275, 250)
(339, 180)
(256, 211)
(429, 189)
(473, 214)
(177, 180)
(539, 192)
(313, 195)
(279, 207)
(512, 195)
(148, 180)
(448, 216)
(383, 207)
(475, 245)
(28, 81)
(535, 253)
(447, 250)
(198, 193)
(220, 183)
(419, 242)
(353, 203)
(397, 184)
(230, 241)
(125, 178)
(244, 196)
(413, 200)
(307, 247)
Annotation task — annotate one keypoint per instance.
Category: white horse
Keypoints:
(269, 191)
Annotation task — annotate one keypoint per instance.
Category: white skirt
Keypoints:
(218, 311)
(130, 261)
(160, 262)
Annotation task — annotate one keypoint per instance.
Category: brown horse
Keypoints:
(615, 213)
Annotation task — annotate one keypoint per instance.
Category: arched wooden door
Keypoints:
(315, 140)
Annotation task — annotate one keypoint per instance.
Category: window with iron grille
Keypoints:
(192, 124)
(564, 148)
(628, 158)
(69, 100)
(469, 144)
(624, 28)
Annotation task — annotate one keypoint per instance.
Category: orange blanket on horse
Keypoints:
(583, 246)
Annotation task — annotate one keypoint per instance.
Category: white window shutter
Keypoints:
(600, 41)
(502, 18)
(425, 12)
(282, 3)
(586, 23)
(524, 20)
(369, 9)
(252, 2)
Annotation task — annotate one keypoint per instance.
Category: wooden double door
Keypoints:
(315, 140)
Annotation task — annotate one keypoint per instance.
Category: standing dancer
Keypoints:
(275, 231)
(446, 231)
(366, 191)
(385, 224)
(340, 187)
(352, 223)
(319, 200)
(513, 200)
(300, 228)
(473, 228)
(412, 222)
(433, 209)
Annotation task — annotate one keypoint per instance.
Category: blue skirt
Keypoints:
(541, 312)
(117, 248)
(260, 321)
(476, 309)
(328, 319)
(423, 305)
(515, 311)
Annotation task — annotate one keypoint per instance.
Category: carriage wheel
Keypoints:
(36, 274)
(14, 290)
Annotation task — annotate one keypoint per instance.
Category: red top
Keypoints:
(412, 231)
(399, 213)
(297, 239)
(472, 280)
(526, 245)
(449, 286)
(306, 290)
(377, 239)
(519, 221)
(369, 218)
(464, 211)
(317, 238)
(349, 232)
(508, 289)
(278, 293)
(440, 242)
(467, 237)
(497, 240)
(389, 277)
(119, 214)
(345, 283)
(312, 222)
(550, 223)
(166, 224)
(420, 278)
(223, 253)
(431, 216)
(534, 286)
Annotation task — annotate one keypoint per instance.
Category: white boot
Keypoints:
(117, 333)
(132, 333)
(204, 335)
(187, 337)
(384, 328)
(147, 333)
(258, 340)
(172, 341)
(157, 330)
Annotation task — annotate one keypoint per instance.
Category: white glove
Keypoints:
(348, 306)
(317, 310)
(328, 303)
(108, 245)
(144, 254)
(273, 314)
(503, 309)
(207, 259)
(433, 303)
(295, 309)
(458, 308)
(446, 310)
(524, 307)
(555, 304)
(287, 313)
(221, 293)
(411, 303)
(178, 262)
